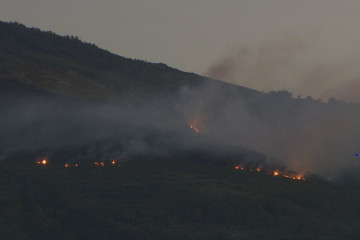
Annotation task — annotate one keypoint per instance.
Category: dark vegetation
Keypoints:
(68, 66)
(168, 200)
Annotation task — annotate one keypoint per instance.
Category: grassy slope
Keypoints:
(168, 200)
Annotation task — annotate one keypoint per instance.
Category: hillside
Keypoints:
(177, 137)
(168, 200)
(68, 66)
(64, 75)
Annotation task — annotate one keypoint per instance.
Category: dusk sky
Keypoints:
(309, 47)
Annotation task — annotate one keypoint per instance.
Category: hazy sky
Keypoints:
(312, 46)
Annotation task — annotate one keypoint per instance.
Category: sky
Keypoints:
(308, 47)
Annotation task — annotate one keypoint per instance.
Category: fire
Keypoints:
(67, 165)
(194, 128)
(101, 164)
(238, 167)
(300, 178)
(42, 162)
(275, 173)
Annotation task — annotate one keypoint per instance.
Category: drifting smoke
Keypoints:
(100, 130)
(294, 65)
(308, 135)
(231, 123)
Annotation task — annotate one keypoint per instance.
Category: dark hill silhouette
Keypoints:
(69, 66)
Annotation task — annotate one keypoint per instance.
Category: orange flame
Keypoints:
(239, 167)
(194, 128)
(42, 162)
(101, 164)
(275, 173)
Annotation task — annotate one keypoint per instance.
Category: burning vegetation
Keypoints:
(194, 128)
(67, 165)
(275, 173)
(99, 164)
(70, 164)
(42, 162)
(238, 167)
(194, 125)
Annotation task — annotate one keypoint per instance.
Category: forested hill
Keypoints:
(176, 177)
(71, 67)
(34, 64)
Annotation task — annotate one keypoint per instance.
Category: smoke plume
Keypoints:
(234, 123)
(295, 65)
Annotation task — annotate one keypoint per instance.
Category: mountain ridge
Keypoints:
(69, 66)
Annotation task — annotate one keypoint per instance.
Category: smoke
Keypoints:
(75, 130)
(293, 64)
(235, 124)
(308, 135)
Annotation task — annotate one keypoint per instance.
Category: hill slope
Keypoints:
(168, 200)
(50, 87)
(41, 66)
(68, 66)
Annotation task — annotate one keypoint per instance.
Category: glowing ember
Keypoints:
(67, 165)
(238, 167)
(101, 164)
(300, 178)
(76, 165)
(273, 173)
(42, 162)
(194, 128)
(113, 162)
